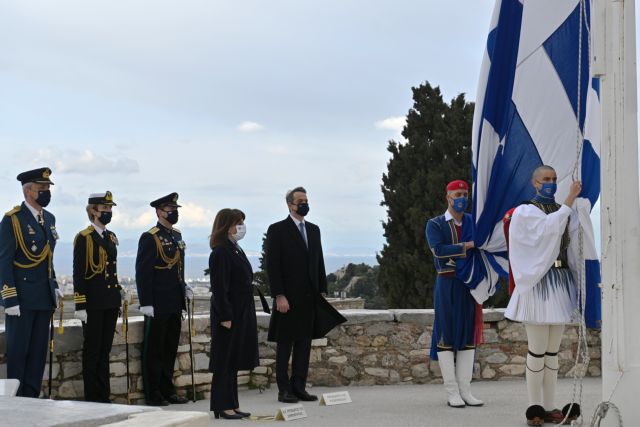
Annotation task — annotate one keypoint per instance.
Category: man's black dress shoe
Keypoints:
(304, 396)
(174, 398)
(287, 397)
(244, 414)
(157, 402)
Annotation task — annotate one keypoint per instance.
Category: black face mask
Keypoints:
(44, 197)
(105, 217)
(303, 209)
(172, 217)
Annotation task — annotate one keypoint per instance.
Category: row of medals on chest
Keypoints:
(170, 242)
(32, 232)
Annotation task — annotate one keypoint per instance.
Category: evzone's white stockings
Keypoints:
(542, 363)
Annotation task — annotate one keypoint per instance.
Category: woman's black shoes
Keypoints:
(218, 414)
(244, 414)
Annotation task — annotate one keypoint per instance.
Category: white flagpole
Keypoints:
(615, 61)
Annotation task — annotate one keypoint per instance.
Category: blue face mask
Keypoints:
(548, 189)
(460, 204)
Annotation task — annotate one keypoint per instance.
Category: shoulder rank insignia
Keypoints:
(153, 230)
(87, 231)
(14, 211)
(113, 238)
(176, 230)
(182, 245)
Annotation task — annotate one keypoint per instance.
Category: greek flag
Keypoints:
(537, 103)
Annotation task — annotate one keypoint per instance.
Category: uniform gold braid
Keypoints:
(91, 268)
(170, 262)
(35, 259)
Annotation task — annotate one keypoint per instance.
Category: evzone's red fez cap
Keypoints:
(458, 184)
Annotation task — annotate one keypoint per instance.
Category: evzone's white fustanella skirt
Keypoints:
(553, 301)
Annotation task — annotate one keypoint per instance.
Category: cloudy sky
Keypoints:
(229, 103)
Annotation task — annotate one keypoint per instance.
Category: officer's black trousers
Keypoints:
(161, 337)
(98, 336)
(27, 339)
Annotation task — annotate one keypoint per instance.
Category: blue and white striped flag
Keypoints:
(537, 104)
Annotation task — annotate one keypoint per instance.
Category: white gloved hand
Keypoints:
(147, 310)
(81, 315)
(188, 292)
(12, 311)
(59, 296)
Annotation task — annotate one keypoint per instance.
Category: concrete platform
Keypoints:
(26, 412)
(411, 405)
(165, 419)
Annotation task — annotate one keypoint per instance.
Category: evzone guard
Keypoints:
(544, 265)
(458, 325)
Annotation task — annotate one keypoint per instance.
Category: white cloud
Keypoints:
(194, 215)
(191, 215)
(123, 219)
(85, 162)
(247, 127)
(392, 123)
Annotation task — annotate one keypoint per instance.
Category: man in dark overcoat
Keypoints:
(295, 267)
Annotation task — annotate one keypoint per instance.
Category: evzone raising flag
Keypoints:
(538, 104)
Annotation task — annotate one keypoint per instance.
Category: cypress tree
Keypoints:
(260, 277)
(437, 150)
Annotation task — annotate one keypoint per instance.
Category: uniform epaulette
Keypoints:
(176, 229)
(87, 231)
(14, 211)
(153, 230)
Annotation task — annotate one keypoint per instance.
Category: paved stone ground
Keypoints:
(412, 405)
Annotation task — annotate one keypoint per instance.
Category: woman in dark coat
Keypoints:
(234, 329)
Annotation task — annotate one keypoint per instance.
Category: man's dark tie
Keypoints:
(304, 235)
(104, 234)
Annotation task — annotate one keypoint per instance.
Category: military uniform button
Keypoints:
(108, 286)
(106, 275)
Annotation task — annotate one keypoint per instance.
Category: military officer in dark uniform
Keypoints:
(29, 289)
(162, 292)
(97, 294)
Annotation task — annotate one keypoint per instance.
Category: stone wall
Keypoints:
(373, 347)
